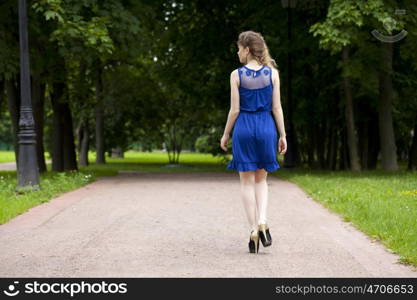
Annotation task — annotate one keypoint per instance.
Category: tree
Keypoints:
(339, 33)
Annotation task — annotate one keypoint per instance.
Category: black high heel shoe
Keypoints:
(265, 235)
(254, 241)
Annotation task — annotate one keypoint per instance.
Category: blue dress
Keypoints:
(255, 134)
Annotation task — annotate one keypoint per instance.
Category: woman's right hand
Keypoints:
(223, 142)
(282, 145)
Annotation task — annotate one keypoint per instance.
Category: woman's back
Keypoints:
(255, 134)
(255, 89)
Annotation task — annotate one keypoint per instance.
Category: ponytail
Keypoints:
(257, 47)
(267, 59)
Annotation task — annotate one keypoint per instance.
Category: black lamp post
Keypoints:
(28, 172)
(290, 159)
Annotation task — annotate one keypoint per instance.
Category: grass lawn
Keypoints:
(381, 204)
(9, 156)
(6, 156)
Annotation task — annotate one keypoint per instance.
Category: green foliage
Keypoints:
(166, 63)
(202, 145)
(76, 32)
(345, 18)
(9, 47)
(210, 143)
(6, 133)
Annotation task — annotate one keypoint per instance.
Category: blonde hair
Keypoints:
(257, 47)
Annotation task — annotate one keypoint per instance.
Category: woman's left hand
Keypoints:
(223, 142)
(282, 145)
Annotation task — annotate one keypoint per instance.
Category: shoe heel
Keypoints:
(265, 235)
(254, 243)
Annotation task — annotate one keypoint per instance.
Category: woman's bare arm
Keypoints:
(234, 103)
(276, 103)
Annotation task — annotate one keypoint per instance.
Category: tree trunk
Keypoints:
(63, 146)
(310, 145)
(314, 146)
(321, 145)
(364, 144)
(70, 156)
(99, 111)
(58, 128)
(13, 100)
(412, 162)
(331, 147)
(333, 150)
(333, 134)
(349, 115)
(38, 99)
(374, 147)
(84, 143)
(327, 144)
(2, 94)
(386, 129)
(79, 135)
(363, 131)
(344, 154)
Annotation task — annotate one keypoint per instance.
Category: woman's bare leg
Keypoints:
(261, 194)
(247, 184)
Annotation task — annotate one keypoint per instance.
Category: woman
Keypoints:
(256, 108)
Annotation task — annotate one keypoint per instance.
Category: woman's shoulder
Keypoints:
(272, 68)
(234, 76)
(274, 75)
(236, 72)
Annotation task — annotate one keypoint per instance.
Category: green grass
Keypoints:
(381, 204)
(52, 184)
(6, 156)
(9, 156)
(158, 162)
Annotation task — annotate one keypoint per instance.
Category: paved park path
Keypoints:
(185, 225)
(11, 166)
